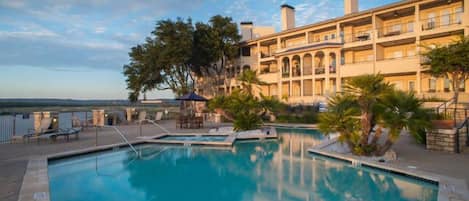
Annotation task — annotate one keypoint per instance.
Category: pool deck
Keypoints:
(15, 159)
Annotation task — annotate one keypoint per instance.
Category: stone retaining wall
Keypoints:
(445, 140)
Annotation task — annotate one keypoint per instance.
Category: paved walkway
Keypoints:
(411, 154)
(14, 157)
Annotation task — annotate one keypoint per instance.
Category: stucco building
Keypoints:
(310, 62)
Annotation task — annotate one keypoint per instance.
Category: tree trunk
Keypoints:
(378, 133)
(455, 96)
(366, 127)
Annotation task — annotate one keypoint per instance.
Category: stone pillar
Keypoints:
(37, 121)
(129, 112)
(98, 117)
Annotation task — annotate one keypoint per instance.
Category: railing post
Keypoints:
(14, 124)
(96, 136)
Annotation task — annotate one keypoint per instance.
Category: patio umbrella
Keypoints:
(193, 97)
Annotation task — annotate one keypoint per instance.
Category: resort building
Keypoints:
(303, 65)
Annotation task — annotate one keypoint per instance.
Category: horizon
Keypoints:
(76, 50)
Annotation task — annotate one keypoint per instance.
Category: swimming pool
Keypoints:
(266, 170)
(199, 138)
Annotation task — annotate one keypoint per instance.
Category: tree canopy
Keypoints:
(176, 51)
(451, 62)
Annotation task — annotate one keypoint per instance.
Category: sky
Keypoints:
(76, 48)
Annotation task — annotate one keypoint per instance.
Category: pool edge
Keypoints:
(449, 188)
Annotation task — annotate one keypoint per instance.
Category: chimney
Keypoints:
(288, 16)
(350, 6)
(246, 31)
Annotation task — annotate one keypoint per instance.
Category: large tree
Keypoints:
(177, 50)
(163, 61)
(451, 62)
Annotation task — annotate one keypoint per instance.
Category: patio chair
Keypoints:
(60, 133)
(43, 129)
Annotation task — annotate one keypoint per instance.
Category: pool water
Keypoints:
(203, 138)
(267, 170)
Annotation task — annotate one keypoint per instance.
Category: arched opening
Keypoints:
(319, 63)
(332, 62)
(307, 64)
(296, 69)
(285, 67)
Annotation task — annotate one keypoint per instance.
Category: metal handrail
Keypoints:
(124, 138)
(464, 124)
(445, 104)
(155, 124)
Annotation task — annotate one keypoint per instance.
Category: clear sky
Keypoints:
(76, 48)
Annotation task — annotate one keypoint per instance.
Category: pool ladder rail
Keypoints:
(125, 139)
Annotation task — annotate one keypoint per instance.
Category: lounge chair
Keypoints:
(142, 116)
(43, 129)
(66, 133)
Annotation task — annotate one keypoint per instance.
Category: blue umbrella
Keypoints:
(191, 97)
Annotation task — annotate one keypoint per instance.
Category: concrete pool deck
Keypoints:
(14, 157)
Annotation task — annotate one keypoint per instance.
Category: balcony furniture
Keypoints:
(319, 70)
(363, 37)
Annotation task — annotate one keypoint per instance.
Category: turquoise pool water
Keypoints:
(269, 170)
(194, 138)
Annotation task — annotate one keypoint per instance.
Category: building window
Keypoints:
(332, 36)
(411, 86)
(410, 26)
(458, 12)
(447, 85)
(462, 86)
(326, 37)
(445, 17)
(246, 51)
(432, 85)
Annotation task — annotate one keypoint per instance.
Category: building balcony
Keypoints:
(398, 65)
(357, 68)
(396, 31)
(358, 39)
(270, 77)
(442, 23)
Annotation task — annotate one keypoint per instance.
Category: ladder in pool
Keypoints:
(124, 138)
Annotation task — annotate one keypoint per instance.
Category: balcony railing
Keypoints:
(267, 54)
(267, 70)
(319, 70)
(296, 72)
(362, 36)
(441, 21)
(396, 29)
(285, 74)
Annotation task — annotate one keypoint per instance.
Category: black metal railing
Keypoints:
(396, 29)
(441, 21)
(466, 126)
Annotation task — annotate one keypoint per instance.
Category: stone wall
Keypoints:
(445, 140)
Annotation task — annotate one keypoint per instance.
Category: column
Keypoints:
(258, 70)
(314, 76)
(301, 74)
(338, 64)
(465, 20)
(37, 121)
(417, 30)
(279, 79)
(98, 117)
(327, 80)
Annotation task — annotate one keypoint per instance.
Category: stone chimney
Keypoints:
(350, 6)
(246, 31)
(288, 17)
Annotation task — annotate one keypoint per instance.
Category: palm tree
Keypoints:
(401, 111)
(368, 102)
(249, 79)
